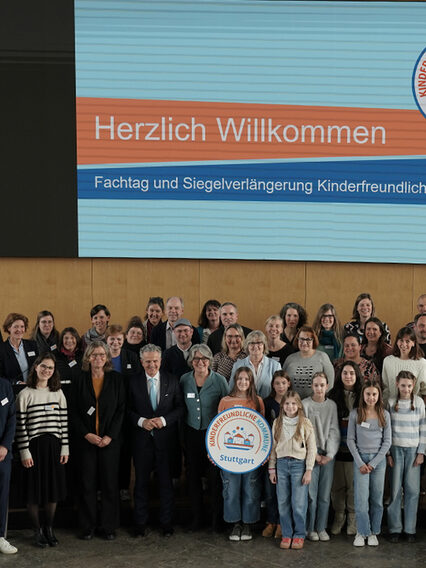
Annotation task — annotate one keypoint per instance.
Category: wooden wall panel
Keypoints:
(340, 283)
(63, 286)
(258, 288)
(70, 287)
(125, 285)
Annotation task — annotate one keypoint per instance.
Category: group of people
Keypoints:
(341, 401)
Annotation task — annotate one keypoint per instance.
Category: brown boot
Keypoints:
(269, 530)
(278, 533)
(338, 522)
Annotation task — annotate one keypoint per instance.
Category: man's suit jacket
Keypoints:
(170, 406)
(158, 335)
(174, 362)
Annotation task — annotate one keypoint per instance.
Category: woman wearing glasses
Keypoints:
(301, 366)
(262, 367)
(42, 441)
(329, 331)
(202, 390)
(98, 406)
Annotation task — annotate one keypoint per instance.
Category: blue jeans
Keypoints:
(369, 497)
(241, 496)
(319, 496)
(403, 475)
(270, 490)
(292, 497)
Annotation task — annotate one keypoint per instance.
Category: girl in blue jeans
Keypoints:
(369, 440)
(407, 414)
(280, 384)
(241, 491)
(322, 412)
(290, 467)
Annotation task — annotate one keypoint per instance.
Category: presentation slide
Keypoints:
(251, 130)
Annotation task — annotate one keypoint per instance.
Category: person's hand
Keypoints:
(318, 459)
(105, 441)
(148, 424)
(273, 476)
(364, 469)
(158, 423)
(93, 439)
(419, 460)
(28, 463)
(306, 479)
(390, 461)
(3, 453)
(64, 460)
(325, 460)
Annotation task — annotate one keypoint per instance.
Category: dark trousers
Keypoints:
(5, 468)
(198, 466)
(99, 471)
(147, 458)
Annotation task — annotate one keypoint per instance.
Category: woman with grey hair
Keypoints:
(202, 390)
(262, 366)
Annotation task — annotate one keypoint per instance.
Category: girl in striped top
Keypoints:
(42, 440)
(407, 413)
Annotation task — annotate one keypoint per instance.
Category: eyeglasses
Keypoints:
(200, 359)
(46, 367)
(255, 343)
(306, 339)
(327, 316)
(101, 355)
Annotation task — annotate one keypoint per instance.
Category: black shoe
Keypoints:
(40, 539)
(109, 535)
(394, 538)
(167, 531)
(87, 534)
(411, 538)
(139, 530)
(50, 536)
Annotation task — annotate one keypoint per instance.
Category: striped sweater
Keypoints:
(40, 411)
(408, 426)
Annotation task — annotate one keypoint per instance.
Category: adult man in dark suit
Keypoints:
(162, 334)
(175, 358)
(228, 315)
(7, 433)
(155, 406)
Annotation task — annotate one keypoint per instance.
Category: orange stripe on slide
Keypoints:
(136, 131)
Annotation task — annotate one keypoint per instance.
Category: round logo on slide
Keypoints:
(419, 82)
(239, 440)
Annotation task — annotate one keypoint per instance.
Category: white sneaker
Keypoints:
(372, 540)
(323, 536)
(246, 533)
(6, 547)
(359, 540)
(235, 533)
(313, 536)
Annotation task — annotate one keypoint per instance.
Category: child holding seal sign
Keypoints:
(241, 491)
(290, 467)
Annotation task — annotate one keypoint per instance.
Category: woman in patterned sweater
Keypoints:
(42, 439)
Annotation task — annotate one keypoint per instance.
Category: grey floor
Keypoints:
(207, 550)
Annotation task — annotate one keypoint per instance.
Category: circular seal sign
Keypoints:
(239, 439)
(419, 82)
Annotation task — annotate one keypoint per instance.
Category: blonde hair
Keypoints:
(300, 414)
